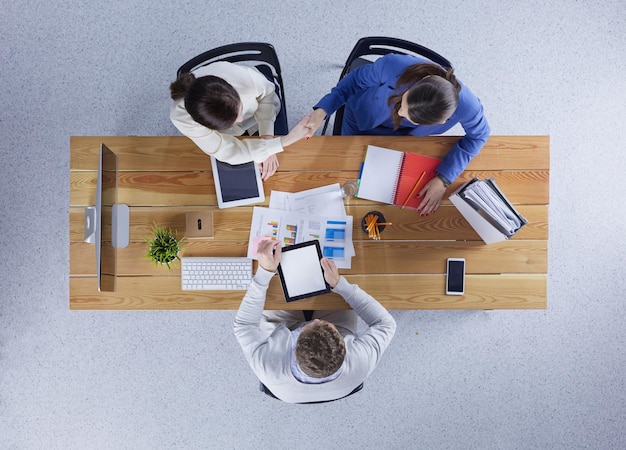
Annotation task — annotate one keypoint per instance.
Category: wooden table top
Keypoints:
(162, 178)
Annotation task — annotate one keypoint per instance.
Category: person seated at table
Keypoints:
(408, 95)
(320, 360)
(214, 103)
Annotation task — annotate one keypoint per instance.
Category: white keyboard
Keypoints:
(210, 273)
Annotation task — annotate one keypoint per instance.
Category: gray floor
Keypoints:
(145, 380)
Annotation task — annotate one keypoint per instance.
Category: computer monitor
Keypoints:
(107, 225)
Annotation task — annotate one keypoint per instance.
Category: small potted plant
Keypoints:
(164, 246)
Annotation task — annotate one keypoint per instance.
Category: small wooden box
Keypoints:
(199, 225)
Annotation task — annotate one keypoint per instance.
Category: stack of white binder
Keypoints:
(487, 210)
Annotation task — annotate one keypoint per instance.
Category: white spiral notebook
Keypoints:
(395, 177)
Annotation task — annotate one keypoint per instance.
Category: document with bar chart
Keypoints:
(333, 233)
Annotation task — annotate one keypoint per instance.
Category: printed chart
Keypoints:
(333, 233)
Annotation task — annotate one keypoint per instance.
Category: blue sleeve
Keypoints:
(470, 115)
(364, 77)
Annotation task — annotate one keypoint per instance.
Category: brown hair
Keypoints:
(209, 100)
(320, 349)
(433, 94)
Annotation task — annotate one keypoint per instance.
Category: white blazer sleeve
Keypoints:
(224, 147)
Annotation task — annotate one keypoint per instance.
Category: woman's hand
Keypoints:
(432, 193)
(331, 273)
(298, 132)
(269, 167)
(315, 120)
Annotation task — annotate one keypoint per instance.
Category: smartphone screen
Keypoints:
(455, 283)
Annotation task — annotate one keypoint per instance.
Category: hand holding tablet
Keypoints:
(331, 273)
(268, 255)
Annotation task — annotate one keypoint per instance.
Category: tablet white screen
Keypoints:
(302, 271)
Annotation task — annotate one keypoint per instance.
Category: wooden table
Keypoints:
(162, 178)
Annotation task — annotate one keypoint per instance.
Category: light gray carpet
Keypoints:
(147, 380)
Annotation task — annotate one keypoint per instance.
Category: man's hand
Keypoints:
(268, 254)
(432, 193)
(331, 274)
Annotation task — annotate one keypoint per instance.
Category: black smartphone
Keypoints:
(455, 276)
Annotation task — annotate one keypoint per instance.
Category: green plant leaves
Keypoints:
(164, 246)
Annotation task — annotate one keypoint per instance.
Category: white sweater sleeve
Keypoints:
(247, 321)
(370, 345)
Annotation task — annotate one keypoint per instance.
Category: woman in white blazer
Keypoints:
(214, 103)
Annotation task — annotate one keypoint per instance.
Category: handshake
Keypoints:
(307, 126)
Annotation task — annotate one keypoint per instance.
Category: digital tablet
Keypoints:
(237, 185)
(300, 271)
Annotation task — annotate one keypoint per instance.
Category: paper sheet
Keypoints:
(333, 233)
(322, 201)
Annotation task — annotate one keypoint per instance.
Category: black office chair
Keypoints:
(259, 54)
(362, 54)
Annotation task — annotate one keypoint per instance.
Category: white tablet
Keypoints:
(300, 271)
(237, 185)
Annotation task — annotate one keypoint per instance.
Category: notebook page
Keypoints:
(380, 174)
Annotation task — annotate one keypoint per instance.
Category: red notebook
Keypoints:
(391, 176)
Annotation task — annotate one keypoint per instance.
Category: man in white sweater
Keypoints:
(320, 360)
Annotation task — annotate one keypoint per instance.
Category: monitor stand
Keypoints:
(120, 226)
(90, 224)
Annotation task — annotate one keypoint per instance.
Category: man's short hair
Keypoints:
(320, 349)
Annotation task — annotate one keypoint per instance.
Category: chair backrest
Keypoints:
(258, 54)
(366, 51)
(265, 390)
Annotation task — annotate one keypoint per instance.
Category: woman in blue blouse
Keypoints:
(407, 95)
